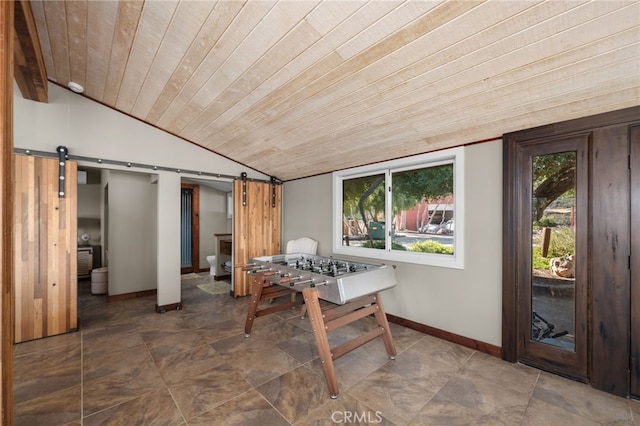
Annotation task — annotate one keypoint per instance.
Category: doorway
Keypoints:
(189, 228)
(568, 295)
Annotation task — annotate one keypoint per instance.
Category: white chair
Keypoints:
(304, 245)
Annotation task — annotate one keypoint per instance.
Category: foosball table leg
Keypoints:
(314, 313)
(381, 319)
(256, 294)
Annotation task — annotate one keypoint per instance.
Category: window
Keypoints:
(408, 210)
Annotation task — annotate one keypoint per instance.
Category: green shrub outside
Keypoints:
(430, 246)
(547, 222)
(380, 245)
(562, 244)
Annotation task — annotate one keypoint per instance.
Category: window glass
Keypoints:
(408, 210)
(423, 210)
(363, 207)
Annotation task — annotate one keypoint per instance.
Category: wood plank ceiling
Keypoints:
(297, 88)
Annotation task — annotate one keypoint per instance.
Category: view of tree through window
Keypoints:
(363, 210)
(422, 210)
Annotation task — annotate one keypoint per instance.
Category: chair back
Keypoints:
(304, 245)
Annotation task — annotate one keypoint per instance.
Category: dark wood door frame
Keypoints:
(195, 227)
(616, 296)
(634, 148)
(542, 355)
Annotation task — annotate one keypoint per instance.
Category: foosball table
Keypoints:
(352, 288)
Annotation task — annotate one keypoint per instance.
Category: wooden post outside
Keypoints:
(544, 243)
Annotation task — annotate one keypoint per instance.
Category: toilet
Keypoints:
(212, 262)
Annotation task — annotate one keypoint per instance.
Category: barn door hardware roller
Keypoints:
(243, 176)
(62, 162)
(273, 191)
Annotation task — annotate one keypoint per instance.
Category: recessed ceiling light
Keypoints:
(75, 87)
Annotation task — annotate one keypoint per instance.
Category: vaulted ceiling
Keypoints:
(296, 88)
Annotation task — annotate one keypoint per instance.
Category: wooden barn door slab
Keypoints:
(45, 244)
(256, 226)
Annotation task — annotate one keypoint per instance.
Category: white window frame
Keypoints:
(453, 156)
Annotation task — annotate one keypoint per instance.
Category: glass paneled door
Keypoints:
(553, 319)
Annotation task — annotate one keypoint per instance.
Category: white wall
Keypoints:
(89, 202)
(132, 233)
(307, 211)
(466, 302)
(89, 129)
(213, 220)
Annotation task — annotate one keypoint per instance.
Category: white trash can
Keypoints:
(99, 278)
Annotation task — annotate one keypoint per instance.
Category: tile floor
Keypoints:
(131, 366)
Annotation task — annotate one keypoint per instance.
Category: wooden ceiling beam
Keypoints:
(29, 69)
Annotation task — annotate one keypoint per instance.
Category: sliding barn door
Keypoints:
(45, 247)
(256, 227)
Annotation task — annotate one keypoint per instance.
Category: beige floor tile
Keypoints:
(582, 399)
(259, 365)
(250, 408)
(343, 410)
(397, 399)
(422, 370)
(98, 341)
(302, 347)
(106, 363)
(350, 369)
(152, 408)
(184, 365)
(174, 343)
(204, 392)
(204, 371)
(295, 393)
(635, 411)
(442, 350)
(540, 413)
(53, 408)
(442, 411)
(486, 397)
(117, 388)
(39, 373)
(515, 376)
(47, 344)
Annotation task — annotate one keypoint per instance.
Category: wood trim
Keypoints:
(170, 307)
(448, 336)
(634, 142)
(29, 68)
(195, 227)
(135, 294)
(509, 243)
(6, 211)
